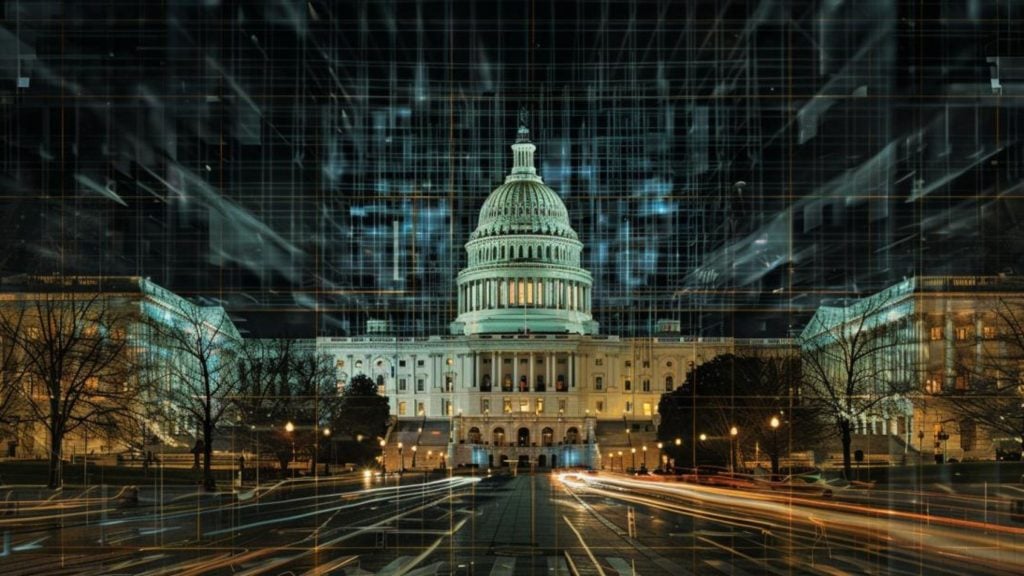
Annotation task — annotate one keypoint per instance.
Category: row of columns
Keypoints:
(490, 294)
(550, 370)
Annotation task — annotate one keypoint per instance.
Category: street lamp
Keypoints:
(401, 459)
(644, 464)
(257, 433)
(733, 432)
(290, 428)
(622, 463)
(383, 459)
(775, 444)
(661, 456)
(414, 448)
(330, 450)
(633, 451)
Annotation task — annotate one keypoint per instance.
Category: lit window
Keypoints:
(507, 405)
(401, 408)
(420, 410)
(561, 406)
(936, 333)
(647, 409)
(524, 405)
(963, 333)
(988, 332)
(540, 405)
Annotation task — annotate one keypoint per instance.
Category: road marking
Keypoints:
(622, 567)
(557, 566)
(503, 566)
(597, 565)
(727, 568)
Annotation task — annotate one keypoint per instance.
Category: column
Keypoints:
(572, 370)
(494, 371)
(551, 370)
(530, 381)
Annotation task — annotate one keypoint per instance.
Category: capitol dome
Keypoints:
(524, 271)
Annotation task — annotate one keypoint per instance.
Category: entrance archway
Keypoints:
(547, 437)
(523, 436)
(542, 461)
(554, 460)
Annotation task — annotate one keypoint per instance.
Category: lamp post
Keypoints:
(330, 450)
(733, 432)
(401, 460)
(661, 456)
(414, 448)
(644, 463)
(257, 433)
(383, 459)
(622, 463)
(290, 429)
(633, 451)
(775, 444)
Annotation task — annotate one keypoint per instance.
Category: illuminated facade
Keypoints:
(139, 306)
(942, 341)
(525, 376)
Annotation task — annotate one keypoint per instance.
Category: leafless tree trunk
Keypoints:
(847, 356)
(74, 357)
(993, 367)
(202, 366)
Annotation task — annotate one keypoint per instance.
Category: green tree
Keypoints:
(741, 392)
(361, 420)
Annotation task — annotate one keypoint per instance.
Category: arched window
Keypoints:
(572, 436)
(523, 436)
(474, 435)
(547, 436)
(669, 383)
(499, 436)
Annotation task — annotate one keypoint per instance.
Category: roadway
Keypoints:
(552, 524)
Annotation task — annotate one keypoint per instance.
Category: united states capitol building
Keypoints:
(525, 376)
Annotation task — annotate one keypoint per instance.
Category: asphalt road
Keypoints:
(552, 524)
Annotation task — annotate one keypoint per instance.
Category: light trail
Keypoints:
(999, 549)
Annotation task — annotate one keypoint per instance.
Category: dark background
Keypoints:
(309, 165)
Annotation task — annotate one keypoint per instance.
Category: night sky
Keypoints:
(309, 165)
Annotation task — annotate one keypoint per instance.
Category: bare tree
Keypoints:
(12, 404)
(286, 381)
(73, 351)
(990, 373)
(202, 347)
(850, 363)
